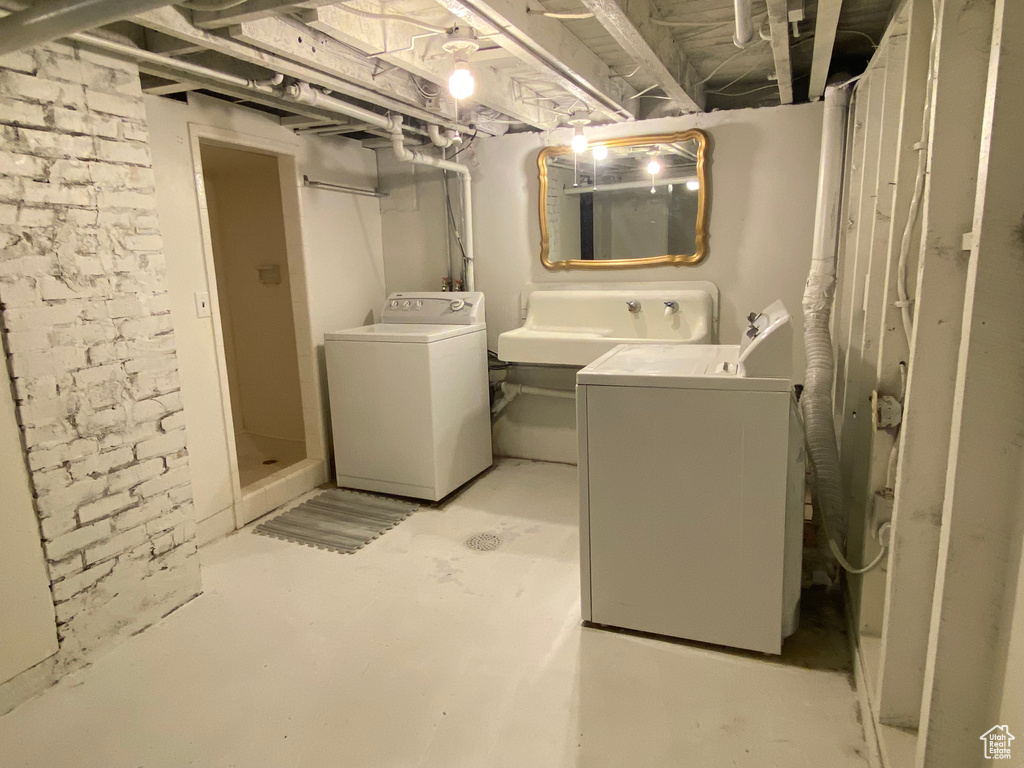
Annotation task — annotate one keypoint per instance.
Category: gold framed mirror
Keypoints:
(638, 201)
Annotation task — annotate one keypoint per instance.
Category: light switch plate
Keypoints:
(202, 304)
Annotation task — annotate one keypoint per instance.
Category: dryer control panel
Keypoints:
(435, 308)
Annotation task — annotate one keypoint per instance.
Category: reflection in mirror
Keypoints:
(626, 202)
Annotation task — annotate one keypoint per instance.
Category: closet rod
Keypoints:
(308, 182)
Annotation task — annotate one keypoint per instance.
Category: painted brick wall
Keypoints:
(91, 351)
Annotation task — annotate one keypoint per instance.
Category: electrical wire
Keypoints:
(736, 79)
(839, 555)
(772, 86)
(199, 5)
(464, 147)
(392, 17)
(740, 52)
(451, 219)
(695, 24)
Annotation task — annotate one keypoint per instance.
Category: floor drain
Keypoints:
(483, 542)
(270, 461)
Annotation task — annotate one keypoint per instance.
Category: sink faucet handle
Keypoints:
(672, 306)
(633, 306)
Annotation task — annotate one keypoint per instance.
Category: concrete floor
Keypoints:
(418, 651)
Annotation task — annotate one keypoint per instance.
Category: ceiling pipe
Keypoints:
(177, 66)
(406, 155)
(52, 19)
(440, 139)
(744, 24)
(303, 93)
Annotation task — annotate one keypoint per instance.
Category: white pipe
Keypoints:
(405, 155)
(441, 140)
(49, 20)
(174, 65)
(510, 392)
(303, 93)
(816, 401)
(744, 24)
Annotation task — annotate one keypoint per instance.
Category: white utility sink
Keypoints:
(576, 325)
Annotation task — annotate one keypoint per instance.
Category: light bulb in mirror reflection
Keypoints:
(654, 167)
(693, 185)
(461, 84)
(579, 141)
(600, 152)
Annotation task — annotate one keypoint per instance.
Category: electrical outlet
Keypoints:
(202, 304)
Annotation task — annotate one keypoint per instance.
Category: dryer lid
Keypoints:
(676, 366)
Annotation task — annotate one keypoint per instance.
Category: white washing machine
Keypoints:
(691, 462)
(410, 404)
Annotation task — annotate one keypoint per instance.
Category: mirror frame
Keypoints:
(701, 239)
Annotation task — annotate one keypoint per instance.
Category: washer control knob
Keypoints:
(394, 303)
(406, 304)
(457, 304)
(419, 304)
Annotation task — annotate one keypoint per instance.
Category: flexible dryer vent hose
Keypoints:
(819, 292)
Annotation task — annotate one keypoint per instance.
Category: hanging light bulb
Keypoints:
(653, 168)
(461, 82)
(461, 43)
(579, 140)
(600, 152)
(577, 120)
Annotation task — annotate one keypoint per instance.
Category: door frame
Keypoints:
(309, 380)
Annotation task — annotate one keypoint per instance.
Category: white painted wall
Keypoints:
(763, 177)
(344, 269)
(28, 633)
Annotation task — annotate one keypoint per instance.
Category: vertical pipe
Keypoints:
(818, 295)
(744, 24)
(467, 230)
(418, 158)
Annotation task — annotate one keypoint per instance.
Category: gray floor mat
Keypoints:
(338, 520)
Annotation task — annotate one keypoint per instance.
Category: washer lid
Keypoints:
(411, 333)
(678, 366)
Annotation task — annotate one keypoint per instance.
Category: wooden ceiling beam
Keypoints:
(651, 47)
(825, 25)
(778, 23)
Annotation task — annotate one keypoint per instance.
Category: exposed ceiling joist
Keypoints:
(548, 47)
(165, 89)
(651, 46)
(251, 10)
(778, 23)
(825, 26)
(390, 90)
(493, 89)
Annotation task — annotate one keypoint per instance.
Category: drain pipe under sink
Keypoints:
(510, 392)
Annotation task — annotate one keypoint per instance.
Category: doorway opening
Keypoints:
(250, 256)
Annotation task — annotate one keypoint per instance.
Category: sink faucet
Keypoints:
(633, 306)
(671, 307)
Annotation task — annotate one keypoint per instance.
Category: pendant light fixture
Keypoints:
(461, 43)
